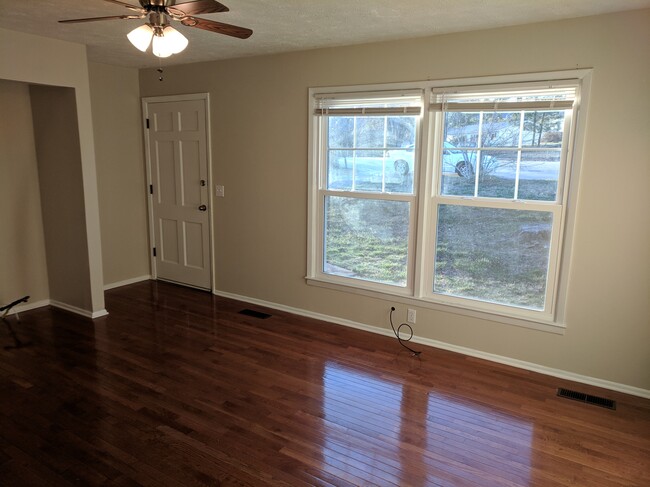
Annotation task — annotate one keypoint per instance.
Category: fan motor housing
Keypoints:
(156, 3)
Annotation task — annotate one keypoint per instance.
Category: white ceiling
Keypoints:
(290, 25)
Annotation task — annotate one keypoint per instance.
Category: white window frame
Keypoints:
(419, 289)
(318, 176)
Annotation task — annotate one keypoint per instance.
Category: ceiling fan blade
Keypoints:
(127, 5)
(218, 27)
(196, 8)
(93, 19)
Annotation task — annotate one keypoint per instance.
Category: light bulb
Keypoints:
(141, 37)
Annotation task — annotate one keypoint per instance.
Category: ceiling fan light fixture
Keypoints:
(164, 39)
(168, 41)
(141, 37)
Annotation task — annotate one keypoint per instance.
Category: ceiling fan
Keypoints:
(160, 13)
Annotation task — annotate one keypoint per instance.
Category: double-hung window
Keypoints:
(367, 186)
(449, 195)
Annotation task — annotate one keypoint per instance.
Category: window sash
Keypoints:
(406, 290)
(378, 285)
(323, 149)
(475, 303)
(520, 149)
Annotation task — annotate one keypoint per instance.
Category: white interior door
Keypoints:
(178, 167)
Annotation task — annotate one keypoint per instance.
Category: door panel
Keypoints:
(179, 169)
(191, 173)
(165, 173)
(193, 247)
(163, 121)
(169, 241)
(188, 120)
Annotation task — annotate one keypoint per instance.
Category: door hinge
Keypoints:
(154, 251)
(151, 189)
(147, 123)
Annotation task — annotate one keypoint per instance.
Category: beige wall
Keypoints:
(259, 136)
(115, 97)
(56, 137)
(33, 59)
(22, 244)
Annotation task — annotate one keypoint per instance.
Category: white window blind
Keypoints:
(542, 98)
(369, 104)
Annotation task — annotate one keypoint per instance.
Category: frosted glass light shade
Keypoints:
(175, 39)
(141, 37)
(166, 40)
(160, 47)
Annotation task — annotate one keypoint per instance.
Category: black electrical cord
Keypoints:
(7, 308)
(397, 332)
(5, 311)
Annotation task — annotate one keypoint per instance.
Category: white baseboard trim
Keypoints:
(28, 306)
(126, 282)
(57, 304)
(78, 311)
(542, 369)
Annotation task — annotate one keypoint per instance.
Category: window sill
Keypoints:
(540, 325)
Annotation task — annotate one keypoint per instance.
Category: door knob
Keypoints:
(203, 208)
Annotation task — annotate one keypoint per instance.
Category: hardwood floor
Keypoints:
(175, 387)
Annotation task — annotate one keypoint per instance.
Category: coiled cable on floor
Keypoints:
(399, 330)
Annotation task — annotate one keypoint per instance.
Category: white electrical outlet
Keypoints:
(219, 190)
(410, 316)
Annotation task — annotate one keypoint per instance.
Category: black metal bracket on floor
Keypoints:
(5, 311)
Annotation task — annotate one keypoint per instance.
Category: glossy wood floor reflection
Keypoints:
(175, 387)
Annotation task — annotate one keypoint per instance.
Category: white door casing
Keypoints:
(177, 147)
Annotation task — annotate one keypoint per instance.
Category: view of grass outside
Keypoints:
(367, 239)
(489, 254)
(493, 254)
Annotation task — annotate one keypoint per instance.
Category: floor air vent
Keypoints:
(254, 314)
(586, 398)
